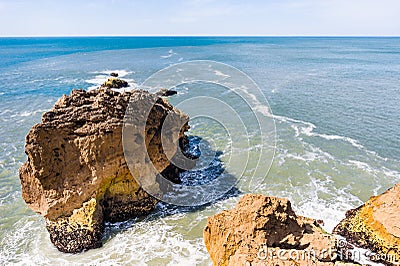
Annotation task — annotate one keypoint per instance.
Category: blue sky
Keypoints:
(199, 17)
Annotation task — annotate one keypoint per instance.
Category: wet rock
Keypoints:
(166, 92)
(76, 174)
(113, 74)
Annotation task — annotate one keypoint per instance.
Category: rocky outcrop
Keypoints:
(263, 230)
(114, 83)
(376, 226)
(76, 174)
(114, 74)
(166, 92)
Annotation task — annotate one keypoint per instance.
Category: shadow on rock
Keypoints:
(199, 175)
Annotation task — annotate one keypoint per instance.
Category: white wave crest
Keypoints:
(170, 54)
(306, 128)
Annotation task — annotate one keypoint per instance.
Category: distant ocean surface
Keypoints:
(336, 103)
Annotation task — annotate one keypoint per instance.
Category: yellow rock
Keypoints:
(375, 225)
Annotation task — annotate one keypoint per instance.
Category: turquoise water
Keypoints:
(334, 100)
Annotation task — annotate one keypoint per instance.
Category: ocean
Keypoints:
(335, 103)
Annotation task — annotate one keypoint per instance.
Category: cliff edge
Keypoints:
(376, 226)
(263, 230)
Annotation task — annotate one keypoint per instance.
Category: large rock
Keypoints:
(263, 230)
(376, 226)
(76, 174)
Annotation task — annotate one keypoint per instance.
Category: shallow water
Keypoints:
(335, 105)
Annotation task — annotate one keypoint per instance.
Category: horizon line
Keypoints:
(199, 35)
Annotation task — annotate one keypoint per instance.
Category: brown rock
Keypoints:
(376, 226)
(263, 230)
(76, 174)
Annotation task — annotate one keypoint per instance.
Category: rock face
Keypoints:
(375, 226)
(115, 83)
(263, 230)
(76, 174)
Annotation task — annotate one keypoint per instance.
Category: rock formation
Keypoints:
(376, 226)
(115, 83)
(166, 92)
(76, 174)
(263, 230)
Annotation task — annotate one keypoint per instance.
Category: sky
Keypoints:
(200, 17)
